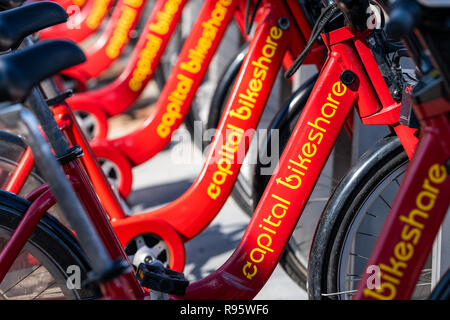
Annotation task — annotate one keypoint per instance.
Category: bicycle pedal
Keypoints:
(59, 98)
(156, 277)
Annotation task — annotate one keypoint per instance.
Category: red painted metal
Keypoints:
(90, 17)
(20, 174)
(289, 188)
(179, 213)
(23, 231)
(216, 179)
(109, 200)
(281, 205)
(121, 94)
(418, 210)
(109, 47)
(123, 287)
(184, 79)
(125, 90)
(125, 227)
(100, 221)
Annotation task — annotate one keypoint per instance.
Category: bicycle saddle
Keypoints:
(9, 4)
(23, 69)
(16, 24)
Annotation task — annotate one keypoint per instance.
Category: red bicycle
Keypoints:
(172, 252)
(356, 231)
(411, 227)
(110, 45)
(177, 214)
(280, 188)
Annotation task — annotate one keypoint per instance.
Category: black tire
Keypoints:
(345, 233)
(51, 245)
(442, 289)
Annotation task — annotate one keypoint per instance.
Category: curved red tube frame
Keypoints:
(111, 44)
(327, 109)
(179, 213)
(89, 18)
(125, 90)
(284, 198)
(209, 192)
(185, 78)
(67, 122)
(418, 211)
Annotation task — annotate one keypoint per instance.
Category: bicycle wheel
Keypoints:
(41, 271)
(351, 221)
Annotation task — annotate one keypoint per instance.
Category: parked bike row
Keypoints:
(342, 225)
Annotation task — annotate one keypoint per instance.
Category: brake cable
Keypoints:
(322, 20)
(249, 24)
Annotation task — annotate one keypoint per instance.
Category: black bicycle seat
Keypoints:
(16, 24)
(23, 69)
(9, 4)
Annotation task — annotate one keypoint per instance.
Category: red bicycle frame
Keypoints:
(124, 152)
(174, 233)
(110, 45)
(67, 3)
(281, 205)
(288, 190)
(124, 91)
(87, 22)
(418, 210)
(194, 210)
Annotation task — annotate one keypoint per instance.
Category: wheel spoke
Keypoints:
(140, 242)
(372, 215)
(385, 201)
(367, 234)
(338, 293)
(21, 280)
(51, 284)
(358, 255)
(158, 248)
